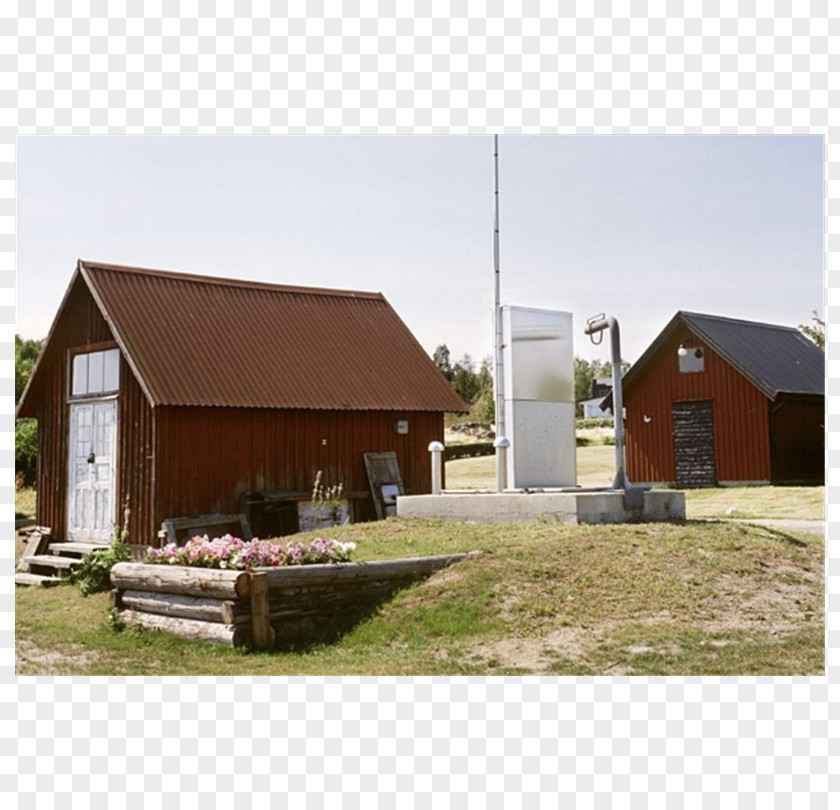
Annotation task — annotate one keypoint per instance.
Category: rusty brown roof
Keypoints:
(197, 340)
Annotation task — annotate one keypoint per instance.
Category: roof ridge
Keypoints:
(741, 321)
(221, 281)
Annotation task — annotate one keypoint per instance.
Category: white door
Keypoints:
(91, 513)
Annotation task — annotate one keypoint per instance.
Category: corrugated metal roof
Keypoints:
(776, 359)
(196, 340)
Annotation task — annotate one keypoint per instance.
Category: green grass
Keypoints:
(782, 503)
(697, 598)
(596, 467)
(646, 599)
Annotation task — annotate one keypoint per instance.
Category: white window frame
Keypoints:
(109, 374)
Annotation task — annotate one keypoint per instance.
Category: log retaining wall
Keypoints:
(264, 607)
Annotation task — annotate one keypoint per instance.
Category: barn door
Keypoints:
(91, 512)
(694, 444)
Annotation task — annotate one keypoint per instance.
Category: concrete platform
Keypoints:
(545, 506)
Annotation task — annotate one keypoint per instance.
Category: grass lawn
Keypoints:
(596, 467)
(702, 598)
(640, 599)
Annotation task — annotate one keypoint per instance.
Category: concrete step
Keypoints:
(76, 549)
(52, 561)
(23, 578)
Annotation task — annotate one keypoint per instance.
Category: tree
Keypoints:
(815, 332)
(464, 379)
(26, 451)
(26, 354)
(584, 375)
(484, 407)
(26, 430)
(442, 361)
(474, 387)
(587, 372)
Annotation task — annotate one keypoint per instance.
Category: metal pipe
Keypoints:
(598, 324)
(501, 444)
(436, 449)
(498, 337)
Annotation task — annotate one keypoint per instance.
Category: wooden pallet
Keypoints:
(37, 540)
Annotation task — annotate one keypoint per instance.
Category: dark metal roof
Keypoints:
(196, 340)
(776, 359)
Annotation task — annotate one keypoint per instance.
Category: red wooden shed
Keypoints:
(722, 401)
(179, 395)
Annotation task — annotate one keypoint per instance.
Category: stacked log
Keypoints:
(262, 607)
(182, 579)
(196, 603)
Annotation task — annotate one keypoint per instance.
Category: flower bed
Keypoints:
(233, 553)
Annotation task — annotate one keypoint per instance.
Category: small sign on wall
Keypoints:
(401, 427)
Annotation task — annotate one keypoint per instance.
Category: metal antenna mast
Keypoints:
(498, 377)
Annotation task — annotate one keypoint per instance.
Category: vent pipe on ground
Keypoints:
(436, 449)
(501, 444)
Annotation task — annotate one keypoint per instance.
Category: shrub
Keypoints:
(94, 573)
(605, 422)
(26, 451)
(453, 451)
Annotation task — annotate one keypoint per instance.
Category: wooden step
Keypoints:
(52, 561)
(35, 579)
(80, 549)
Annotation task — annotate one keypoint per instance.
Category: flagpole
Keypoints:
(498, 375)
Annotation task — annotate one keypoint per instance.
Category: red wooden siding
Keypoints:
(135, 458)
(799, 440)
(207, 457)
(741, 417)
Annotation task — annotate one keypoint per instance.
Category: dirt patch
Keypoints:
(30, 659)
(512, 653)
(540, 655)
(787, 595)
(772, 603)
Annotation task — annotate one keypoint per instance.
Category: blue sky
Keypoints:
(637, 227)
